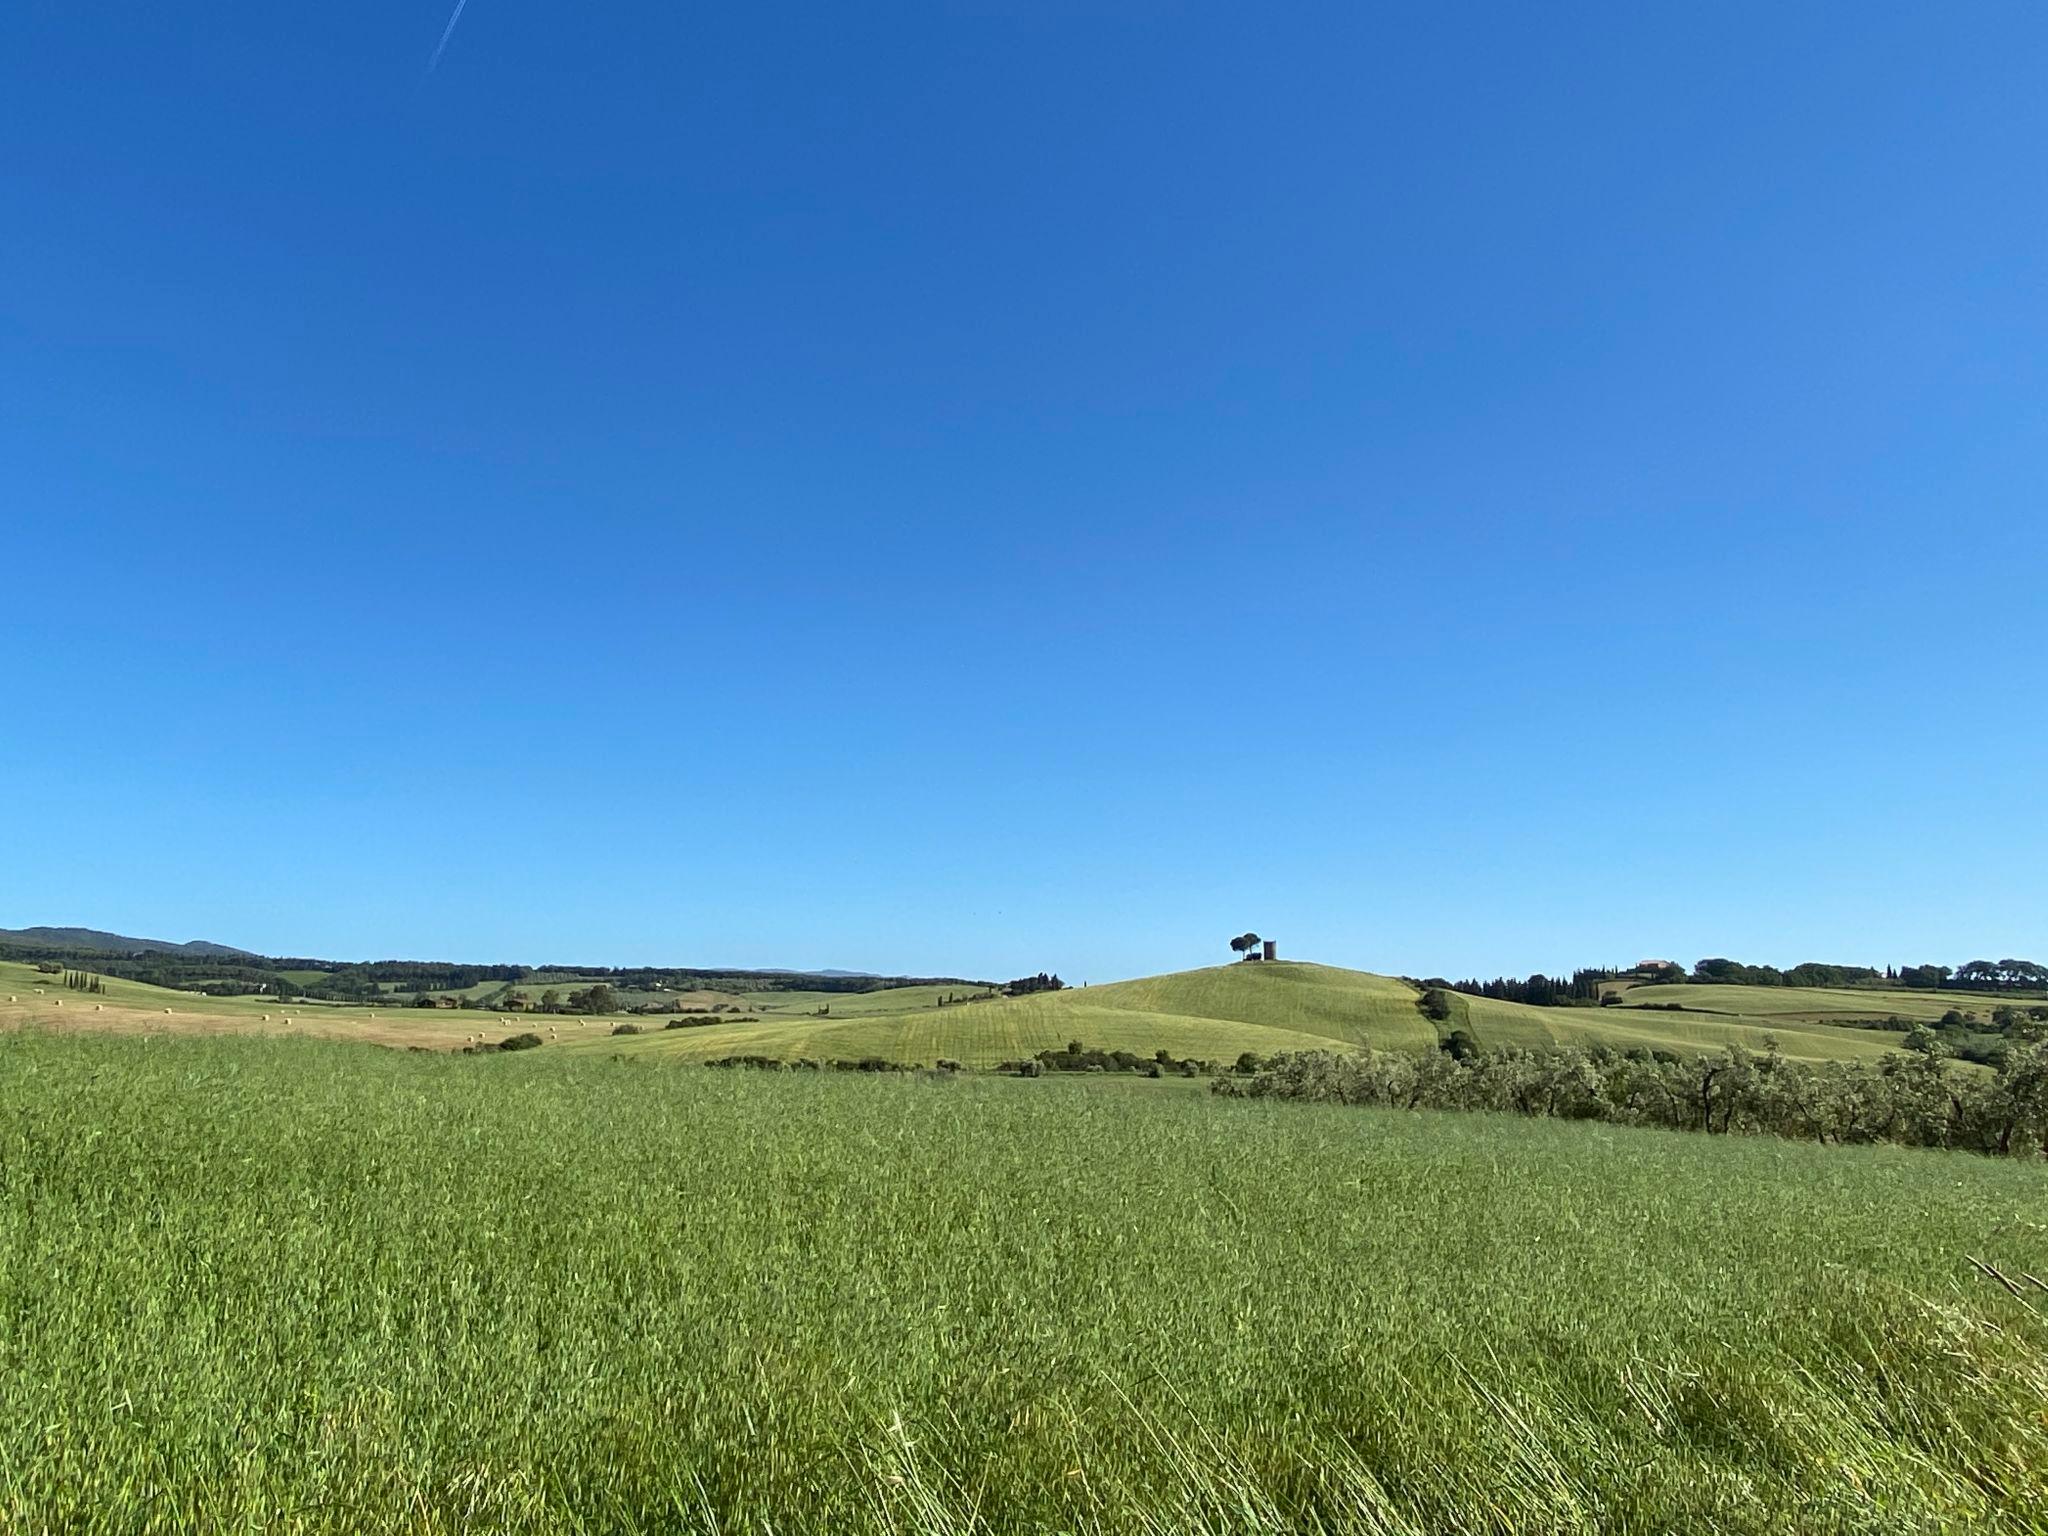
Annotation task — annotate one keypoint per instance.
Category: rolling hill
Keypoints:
(1221, 1011)
(1213, 1014)
(115, 943)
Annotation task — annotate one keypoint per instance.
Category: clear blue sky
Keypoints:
(965, 487)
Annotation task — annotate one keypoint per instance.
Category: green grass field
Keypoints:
(300, 1286)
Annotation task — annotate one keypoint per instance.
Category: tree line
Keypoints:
(1584, 987)
(344, 981)
(1581, 988)
(1971, 976)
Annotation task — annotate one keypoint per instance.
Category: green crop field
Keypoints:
(1821, 1005)
(303, 1286)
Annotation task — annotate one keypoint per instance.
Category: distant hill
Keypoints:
(1215, 1014)
(1221, 1011)
(116, 943)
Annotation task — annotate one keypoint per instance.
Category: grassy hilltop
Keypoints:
(1215, 1014)
(288, 1285)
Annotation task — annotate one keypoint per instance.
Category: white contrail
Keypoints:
(442, 47)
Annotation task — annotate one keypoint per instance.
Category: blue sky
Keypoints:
(974, 487)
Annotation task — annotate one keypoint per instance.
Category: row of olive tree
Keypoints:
(1914, 1098)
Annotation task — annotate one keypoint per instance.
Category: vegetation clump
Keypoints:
(1025, 986)
(1912, 1098)
(1078, 1057)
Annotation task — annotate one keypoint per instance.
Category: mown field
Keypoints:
(1820, 1005)
(300, 1286)
(1213, 1014)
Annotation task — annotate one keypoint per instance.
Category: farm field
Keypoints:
(1221, 1011)
(1820, 1005)
(1215, 1013)
(296, 1285)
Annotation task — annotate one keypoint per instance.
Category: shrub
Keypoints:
(1459, 1045)
(626, 1029)
(525, 1042)
(948, 1064)
(1912, 1099)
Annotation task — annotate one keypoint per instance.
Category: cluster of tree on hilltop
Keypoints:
(1811, 973)
(1995, 975)
(1024, 986)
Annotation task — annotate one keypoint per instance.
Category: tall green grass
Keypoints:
(301, 1287)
